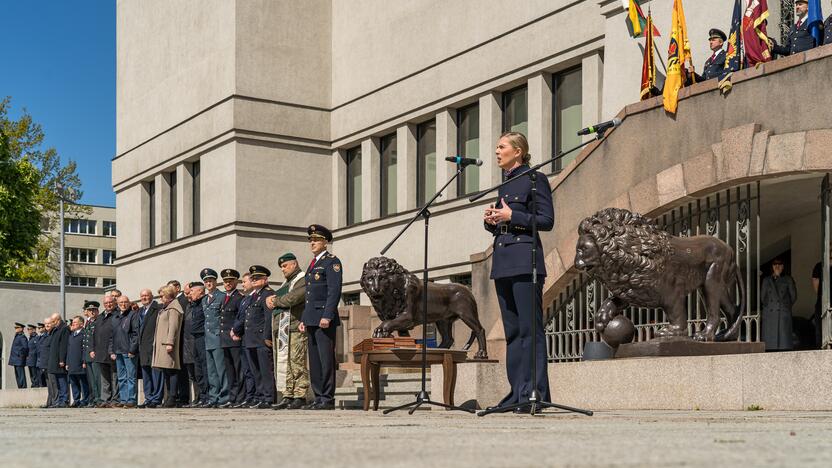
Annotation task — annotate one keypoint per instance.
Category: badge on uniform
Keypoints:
(336, 267)
(317, 276)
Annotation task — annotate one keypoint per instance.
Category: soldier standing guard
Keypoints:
(257, 339)
(291, 345)
(32, 357)
(716, 62)
(320, 317)
(231, 348)
(17, 355)
(212, 304)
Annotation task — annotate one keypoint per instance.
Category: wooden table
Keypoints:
(372, 361)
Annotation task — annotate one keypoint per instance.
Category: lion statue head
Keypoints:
(386, 282)
(624, 250)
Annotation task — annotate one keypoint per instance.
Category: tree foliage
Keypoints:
(29, 176)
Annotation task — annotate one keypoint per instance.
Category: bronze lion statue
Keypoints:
(396, 295)
(644, 266)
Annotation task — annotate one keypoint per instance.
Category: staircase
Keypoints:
(398, 386)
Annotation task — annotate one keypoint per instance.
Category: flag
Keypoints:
(754, 37)
(678, 52)
(648, 66)
(814, 18)
(734, 55)
(636, 21)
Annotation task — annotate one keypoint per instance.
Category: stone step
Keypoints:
(396, 389)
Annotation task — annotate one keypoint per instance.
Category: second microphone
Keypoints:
(464, 161)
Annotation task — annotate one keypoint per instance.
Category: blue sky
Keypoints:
(58, 62)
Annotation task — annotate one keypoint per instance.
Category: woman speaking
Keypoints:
(510, 221)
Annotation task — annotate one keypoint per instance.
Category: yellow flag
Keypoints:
(634, 18)
(677, 54)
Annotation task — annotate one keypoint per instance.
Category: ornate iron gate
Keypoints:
(732, 215)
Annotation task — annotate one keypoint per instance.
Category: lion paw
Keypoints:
(670, 330)
(480, 355)
(702, 336)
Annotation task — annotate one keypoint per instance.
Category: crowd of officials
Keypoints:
(207, 344)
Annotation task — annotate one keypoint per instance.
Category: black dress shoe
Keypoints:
(142, 406)
(325, 406)
(296, 403)
(284, 403)
(260, 405)
(169, 405)
(310, 406)
(226, 405)
(243, 404)
(151, 405)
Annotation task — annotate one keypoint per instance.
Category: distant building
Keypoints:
(90, 245)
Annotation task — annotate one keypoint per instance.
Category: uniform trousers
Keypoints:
(249, 383)
(34, 376)
(514, 297)
(20, 376)
(51, 389)
(262, 366)
(94, 381)
(42, 374)
(217, 378)
(322, 363)
(152, 384)
(200, 374)
(80, 389)
(234, 374)
(108, 382)
(297, 374)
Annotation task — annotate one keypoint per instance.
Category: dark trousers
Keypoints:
(514, 296)
(80, 389)
(51, 389)
(152, 384)
(234, 373)
(62, 384)
(94, 381)
(108, 382)
(34, 376)
(170, 378)
(183, 382)
(262, 366)
(20, 376)
(322, 363)
(200, 368)
(249, 383)
(43, 379)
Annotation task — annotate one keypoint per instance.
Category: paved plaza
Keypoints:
(208, 438)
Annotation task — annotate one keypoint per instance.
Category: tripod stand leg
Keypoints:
(401, 407)
(544, 405)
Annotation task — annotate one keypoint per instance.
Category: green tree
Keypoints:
(29, 199)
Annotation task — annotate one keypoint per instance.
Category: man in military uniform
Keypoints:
(32, 356)
(248, 386)
(198, 369)
(257, 339)
(93, 376)
(716, 62)
(290, 344)
(17, 356)
(320, 317)
(44, 343)
(799, 39)
(231, 348)
(212, 304)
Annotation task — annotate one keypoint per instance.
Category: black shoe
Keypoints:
(527, 409)
(243, 404)
(169, 405)
(260, 405)
(226, 405)
(284, 403)
(142, 406)
(151, 405)
(325, 406)
(310, 406)
(60, 405)
(296, 403)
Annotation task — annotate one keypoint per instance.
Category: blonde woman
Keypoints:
(166, 343)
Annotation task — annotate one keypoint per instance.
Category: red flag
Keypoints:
(754, 36)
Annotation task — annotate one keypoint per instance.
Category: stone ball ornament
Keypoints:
(620, 330)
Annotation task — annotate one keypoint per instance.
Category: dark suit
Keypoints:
(186, 356)
(152, 379)
(102, 335)
(57, 362)
(44, 341)
(260, 358)
(323, 293)
(713, 67)
(249, 385)
(75, 367)
(798, 40)
(93, 372)
(17, 358)
(230, 348)
(32, 360)
(511, 271)
(199, 371)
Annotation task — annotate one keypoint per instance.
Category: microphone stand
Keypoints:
(422, 398)
(535, 401)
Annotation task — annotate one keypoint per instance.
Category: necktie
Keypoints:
(311, 264)
(799, 23)
(227, 297)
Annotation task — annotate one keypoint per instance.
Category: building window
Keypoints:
(151, 224)
(388, 174)
(352, 299)
(354, 185)
(172, 178)
(107, 282)
(464, 279)
(79, 226)
(80, 255)
(195, 171)
(109, 256)
(468, 146)
(80, 281)
(425, 161)
(516, 111)
(567, 114)
(109, 228)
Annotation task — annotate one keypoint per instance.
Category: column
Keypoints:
(162, 204)
(339, 186)
(491, 126)
(144, 217)
(592, 79)
(184, 200)
(446, 145)
(540, 117)
(370, 179)
(406, 167)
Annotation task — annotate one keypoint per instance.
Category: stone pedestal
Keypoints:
(479, 384)
(685, 347)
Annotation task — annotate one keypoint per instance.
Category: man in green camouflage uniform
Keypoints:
(291, 373)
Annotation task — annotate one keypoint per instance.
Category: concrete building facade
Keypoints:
(240, 123)
(90, 245)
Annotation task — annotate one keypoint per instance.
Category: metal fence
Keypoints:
(732, 215)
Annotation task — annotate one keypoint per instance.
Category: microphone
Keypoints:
(601, 127)
(464, 161)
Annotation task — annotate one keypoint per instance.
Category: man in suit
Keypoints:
(257, 339)
(320, 318)
(716, 62)
(44, 344)
(182, 297)
(230, 347)
(102, 336)
(123, 348)
(75, 365)
(249, 384)
(199, 369)
(57, 360)
(87, 343)
(799, 38)
(212, 303)
(18, 353)
(32, 356)
(41, 375)
(152, 379)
